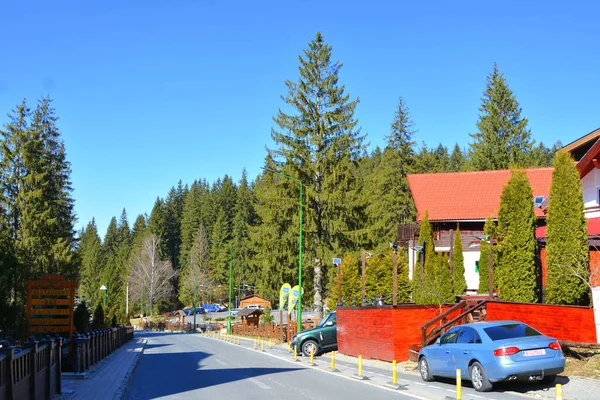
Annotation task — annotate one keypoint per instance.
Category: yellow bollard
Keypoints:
(254, 342)
(458, 385)
(394, 373)
(558, 391)
(312, 355)
(289, 347)
(295, 354)
(262, 345)
(360, 365)
(332, 360)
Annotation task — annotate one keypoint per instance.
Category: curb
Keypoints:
(123, 387)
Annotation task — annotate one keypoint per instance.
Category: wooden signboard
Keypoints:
(50, 305)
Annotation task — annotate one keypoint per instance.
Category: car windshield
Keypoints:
(510, 331)
(328, 317)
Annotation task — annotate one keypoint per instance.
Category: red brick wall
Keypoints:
(382, 333)
(569, 323)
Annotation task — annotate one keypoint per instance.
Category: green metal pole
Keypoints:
(230, 288)
(300, 267)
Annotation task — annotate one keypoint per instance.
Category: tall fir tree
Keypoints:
(90, 256)
(157, 224)
(391, 203)
(516, 273)
(458, 162)
(502, 138)
(219, 249)
(317, 142)
(459, 283)
(245, 217)
(566, 236)
(173, 214)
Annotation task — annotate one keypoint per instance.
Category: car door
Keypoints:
(441, 362)
(467, 342)
(329, 333)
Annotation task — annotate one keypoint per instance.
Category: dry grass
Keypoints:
(582, 362)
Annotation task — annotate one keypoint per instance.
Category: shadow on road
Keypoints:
(165, 374)
(519, 386)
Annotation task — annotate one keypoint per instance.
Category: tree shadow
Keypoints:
(162, 374)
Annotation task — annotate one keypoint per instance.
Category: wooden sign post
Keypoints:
(50, 305)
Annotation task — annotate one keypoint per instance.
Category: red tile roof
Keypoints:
(593, 228)
(460, 196)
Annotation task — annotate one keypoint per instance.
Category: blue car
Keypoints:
(495, 351)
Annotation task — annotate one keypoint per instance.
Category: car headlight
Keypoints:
(294, 338)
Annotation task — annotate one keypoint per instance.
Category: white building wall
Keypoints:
(591, 183)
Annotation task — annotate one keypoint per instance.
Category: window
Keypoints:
(477, 266)
(510, 331)
(468, 335)
(598, 195)
(450, 336)
(538, 200)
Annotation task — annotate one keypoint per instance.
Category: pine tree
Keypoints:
(516, 272)
(219, 250)
(90, 255)
(244, 218)
(458, 161)
(196, 274)
(391, 203)
(566, 236)
(489, 230)
(459, 282)
(421, 279)
(502, 139)
(195, 213)
(173, 214)
(351, 286)
(317, 142)
(157, 224)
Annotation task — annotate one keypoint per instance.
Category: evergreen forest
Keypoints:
(354, 198)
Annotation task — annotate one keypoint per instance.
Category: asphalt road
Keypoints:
(186, 366)
(223, 314)
(190, 366)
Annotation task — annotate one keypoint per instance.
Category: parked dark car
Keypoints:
(489, 352)
(200, 310)
(323, 338)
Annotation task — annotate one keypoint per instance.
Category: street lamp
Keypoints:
(299, 182)
(103, 287)
(230, 283)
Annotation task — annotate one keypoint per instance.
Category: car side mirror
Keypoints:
(329, 323)
(438, 341)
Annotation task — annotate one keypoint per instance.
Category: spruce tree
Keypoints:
(219, 250)
(459, 282)
(173, 214)
(516, 273)
(502, 138)
(390, 202)
(90, 256)
(245, 217)
(566, 236)
(317, 142)
(458, 161)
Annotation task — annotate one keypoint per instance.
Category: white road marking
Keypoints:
(221, 362)
(435, 387)
(259, 383)
(479, 397)
(420, 383)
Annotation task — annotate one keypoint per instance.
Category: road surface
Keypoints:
(190, 366)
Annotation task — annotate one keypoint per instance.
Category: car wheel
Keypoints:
(479, 378)
(424, 370)
(549, 379)
(307, 346)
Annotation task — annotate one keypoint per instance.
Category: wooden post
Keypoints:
(33, 353)
(339, 282)
(395, 288)
(8, 370)
(491, 272)
(364, 268)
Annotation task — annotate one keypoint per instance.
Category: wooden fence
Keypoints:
(274, 331)
(93, 346)
(31, 373)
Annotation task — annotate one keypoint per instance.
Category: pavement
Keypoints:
(114, 378)
(107, 379)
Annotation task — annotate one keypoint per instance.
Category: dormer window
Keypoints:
(538, 200)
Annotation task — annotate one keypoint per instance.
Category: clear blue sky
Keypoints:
(150, 92)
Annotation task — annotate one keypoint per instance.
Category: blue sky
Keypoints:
(151, 92)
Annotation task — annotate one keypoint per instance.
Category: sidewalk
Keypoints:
(107, 379)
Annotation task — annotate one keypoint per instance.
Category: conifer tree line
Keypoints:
(354, 199)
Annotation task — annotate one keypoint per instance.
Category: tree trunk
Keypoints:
(318, 299)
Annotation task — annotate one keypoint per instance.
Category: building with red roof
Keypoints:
(465, 200)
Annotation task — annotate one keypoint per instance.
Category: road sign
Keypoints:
(50, 304)
(337, 261)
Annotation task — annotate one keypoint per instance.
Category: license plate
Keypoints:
(539, 352)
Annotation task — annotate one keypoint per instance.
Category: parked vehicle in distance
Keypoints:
(254, 306)
(234, 311)
(188, 311)
(323, 338)
(210, 307)
(220, 307)
(490, 352)
(200, 310)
